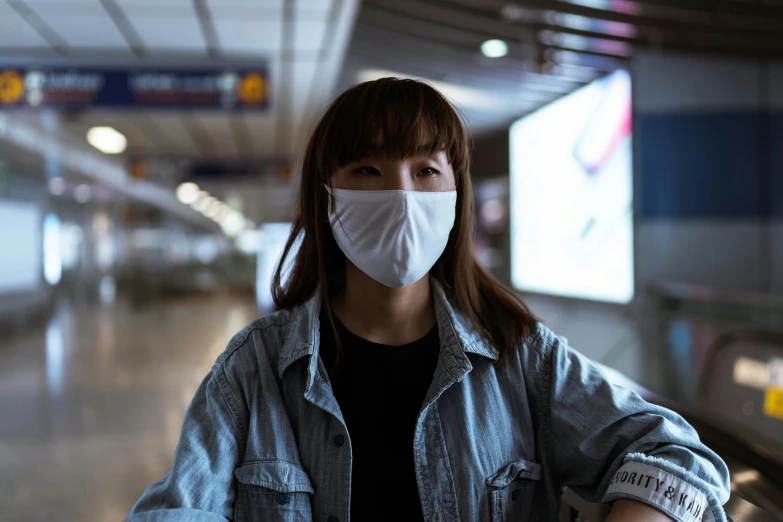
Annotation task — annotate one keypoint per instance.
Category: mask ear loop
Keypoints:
(329, 199)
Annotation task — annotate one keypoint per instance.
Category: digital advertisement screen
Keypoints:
(571, 195)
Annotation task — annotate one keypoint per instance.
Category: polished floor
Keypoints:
(92, 404)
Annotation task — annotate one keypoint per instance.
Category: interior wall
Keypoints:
(775, 168)
(699, 171)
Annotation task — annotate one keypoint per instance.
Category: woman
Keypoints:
(398, 380)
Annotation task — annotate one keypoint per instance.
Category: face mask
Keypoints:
(393, 236)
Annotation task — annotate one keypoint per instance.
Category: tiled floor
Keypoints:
(91, 406)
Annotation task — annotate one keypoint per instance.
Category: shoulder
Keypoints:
(256, 344)
(538, 348)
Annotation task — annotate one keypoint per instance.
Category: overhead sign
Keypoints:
(75, 88)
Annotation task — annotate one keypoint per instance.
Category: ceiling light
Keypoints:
(202, 202)
(206, 203)
(188, 193)
(213, 209)
(52, 249)
(222, 212)
(233, 223)
(107, 140)
(494, 48)
(82, 193)
(249, 241)
(56, 186)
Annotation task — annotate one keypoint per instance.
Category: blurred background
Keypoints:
(627, 164)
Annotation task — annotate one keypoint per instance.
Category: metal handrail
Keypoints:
(691, 293)
(576, 509)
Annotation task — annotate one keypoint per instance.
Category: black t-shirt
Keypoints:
(381, 390)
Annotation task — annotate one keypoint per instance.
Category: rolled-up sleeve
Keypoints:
(200, 486)
(609, 443)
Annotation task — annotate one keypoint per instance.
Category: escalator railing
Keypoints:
(716, 356)
(719, 434)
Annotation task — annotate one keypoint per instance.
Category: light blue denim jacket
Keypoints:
(264, 438)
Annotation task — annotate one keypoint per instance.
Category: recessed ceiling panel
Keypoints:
(262, 133)
(260, 3)
(15, 32)
(171, 128)
(233, 8)
(248, 36)
(303, 82)
(309, 35)
(217, 125)
(60, 4)
(154, 2)
(173, 9)
(81, 25)
(312, 9)
(170, 33)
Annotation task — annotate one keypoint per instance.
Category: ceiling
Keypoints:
(315, 48)
(294, 39)
(302, 44)
(554, 46)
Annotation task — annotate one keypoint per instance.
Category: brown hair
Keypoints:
(394, 118)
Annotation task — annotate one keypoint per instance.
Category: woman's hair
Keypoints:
(395, 118)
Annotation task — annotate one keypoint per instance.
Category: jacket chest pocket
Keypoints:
(512, 489)
(273, 491)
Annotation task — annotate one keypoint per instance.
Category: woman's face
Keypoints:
(423, 173)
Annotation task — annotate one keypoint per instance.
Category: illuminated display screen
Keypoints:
(571, 191)
(21, 246)
(271, 246)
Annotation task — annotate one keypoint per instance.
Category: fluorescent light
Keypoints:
(52, 249)
(205, 203)
(233, 223)
(213, 209)
(188, 193)
(107, 140)
(494, 48)
(82, 193)
(203, 200)
(56, 186)
(249, 241)
(222, 212)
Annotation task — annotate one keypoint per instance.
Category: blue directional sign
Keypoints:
(77, 88)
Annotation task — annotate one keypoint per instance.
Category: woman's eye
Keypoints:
(429, 171)
(367, 171)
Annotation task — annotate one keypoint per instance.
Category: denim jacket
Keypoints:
(264, 438)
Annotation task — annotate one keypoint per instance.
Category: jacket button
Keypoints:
(515, 494)
(283, 498)
(332, 519)
(339, 440)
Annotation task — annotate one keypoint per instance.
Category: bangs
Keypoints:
(392, 117)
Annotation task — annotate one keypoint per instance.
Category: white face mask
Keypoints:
(393, 236)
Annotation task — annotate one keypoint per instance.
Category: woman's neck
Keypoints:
(391, 316)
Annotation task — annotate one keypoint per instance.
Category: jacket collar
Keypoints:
(457, 334)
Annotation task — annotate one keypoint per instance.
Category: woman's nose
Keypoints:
(399, 179)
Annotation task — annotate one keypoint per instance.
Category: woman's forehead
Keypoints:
(381, 155)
